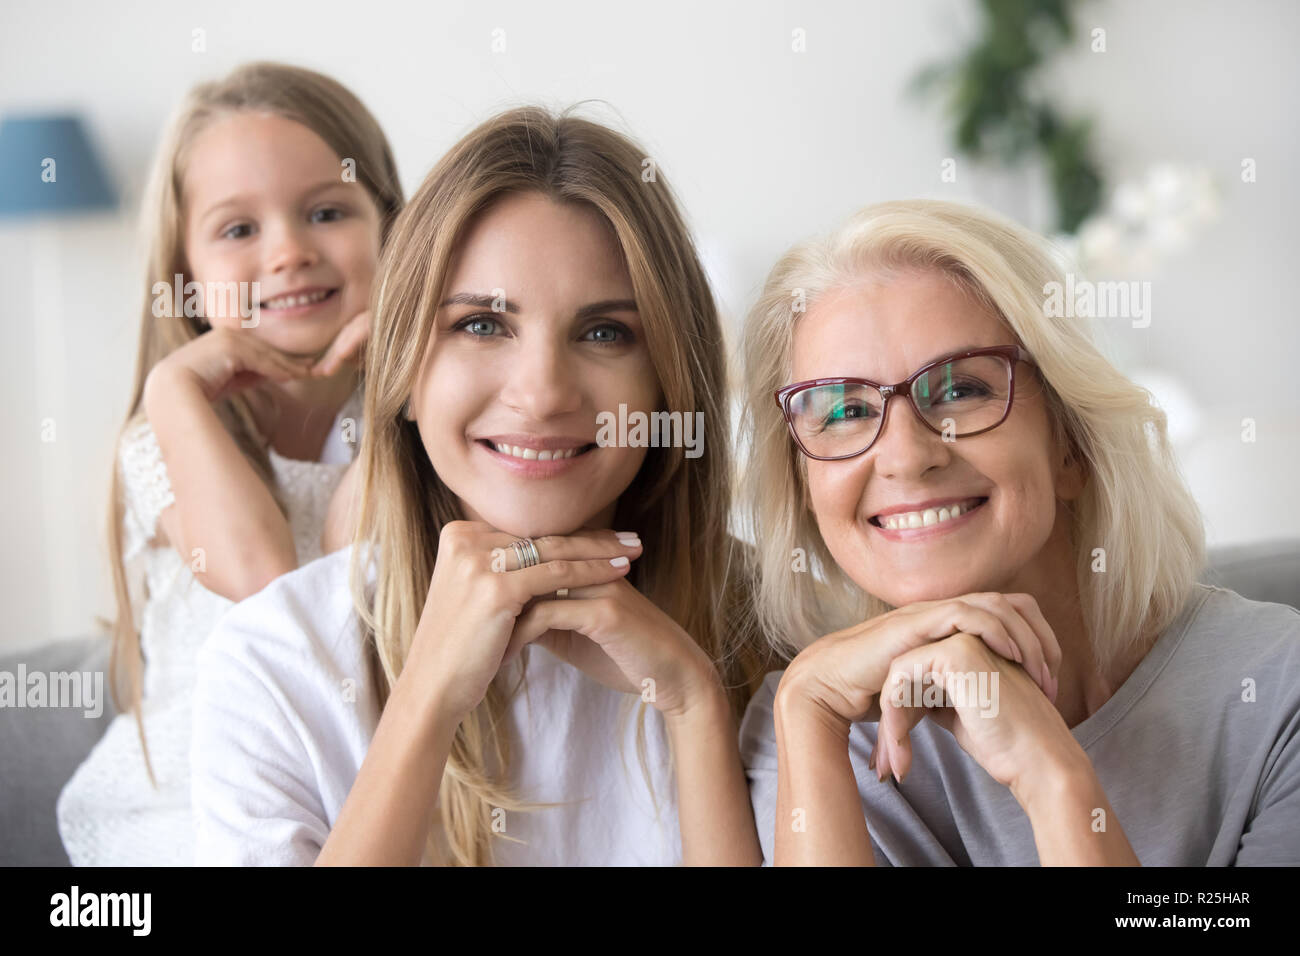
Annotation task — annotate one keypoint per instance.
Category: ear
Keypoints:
(1071, 473)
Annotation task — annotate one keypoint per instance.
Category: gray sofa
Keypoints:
(40, 748)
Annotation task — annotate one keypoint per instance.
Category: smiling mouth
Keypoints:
(536, 454)
(926, 517)
(297, 301)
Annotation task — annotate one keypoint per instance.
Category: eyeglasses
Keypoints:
(958, 396)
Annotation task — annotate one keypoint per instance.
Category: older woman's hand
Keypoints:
(992, 708)
(843, 674)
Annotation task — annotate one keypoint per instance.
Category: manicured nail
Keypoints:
(629, 538)
(871, 764)
(1015, 650)
(883, 763)
(619, 562)
(630, 542)
(1047, 680)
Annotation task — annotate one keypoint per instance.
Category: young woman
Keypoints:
(243, 416)
(1003, 545)
(456, 687)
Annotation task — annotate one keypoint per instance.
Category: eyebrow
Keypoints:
(951, 352)
(930, 361)
(242, 198)
(488, 301)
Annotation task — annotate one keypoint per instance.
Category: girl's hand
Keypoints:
(223, 361)
(348, 346)
(617, 636)
(477, 593)
(842, 674)
(990, 705)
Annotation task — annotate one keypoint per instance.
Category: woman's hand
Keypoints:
(997, 714)
(477, 593)
(843, 673)
(620, 638)
(1002, 720)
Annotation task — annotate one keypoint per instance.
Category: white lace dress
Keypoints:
(109, 814)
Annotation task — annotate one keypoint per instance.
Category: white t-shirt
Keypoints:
(284, 713)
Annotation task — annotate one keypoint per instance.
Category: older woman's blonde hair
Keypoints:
(1135, 505)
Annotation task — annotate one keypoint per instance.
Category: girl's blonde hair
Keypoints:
(1134, 503)
(332, 112)
(679, 507)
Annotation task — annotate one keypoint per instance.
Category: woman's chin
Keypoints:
(919, 589)
(533, 526)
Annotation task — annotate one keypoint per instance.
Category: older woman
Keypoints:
(986, 517)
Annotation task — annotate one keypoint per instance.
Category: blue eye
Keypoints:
(479, 326)
(608, 334)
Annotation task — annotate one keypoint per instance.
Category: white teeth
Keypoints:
(530, 454)
(930, 516)
(290, 301)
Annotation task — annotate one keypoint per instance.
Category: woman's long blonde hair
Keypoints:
(679, 507)
(336, 115)
(1134, 505)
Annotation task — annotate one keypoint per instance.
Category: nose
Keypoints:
(290, 248)
(906, 448)
(541, 382)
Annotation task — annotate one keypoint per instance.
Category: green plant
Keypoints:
(995, 113)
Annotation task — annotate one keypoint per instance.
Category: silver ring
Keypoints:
(526, 552)
(562, 593)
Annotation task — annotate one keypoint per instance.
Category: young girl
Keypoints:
(269, 200)
(382, 705)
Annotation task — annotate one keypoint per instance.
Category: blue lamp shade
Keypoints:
(47, 165)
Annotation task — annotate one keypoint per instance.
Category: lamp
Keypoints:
(47, 165)
(48, 172)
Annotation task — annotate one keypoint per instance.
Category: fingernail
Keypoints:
(619, 562)
(1015, 649)
(871, 764)
(629, 538)
(1047, 679)
(630, 542)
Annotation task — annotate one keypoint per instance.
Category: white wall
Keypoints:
(764, 146)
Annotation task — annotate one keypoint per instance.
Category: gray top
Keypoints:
(1197, 772)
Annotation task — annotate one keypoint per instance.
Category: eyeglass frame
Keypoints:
(1012, 353)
